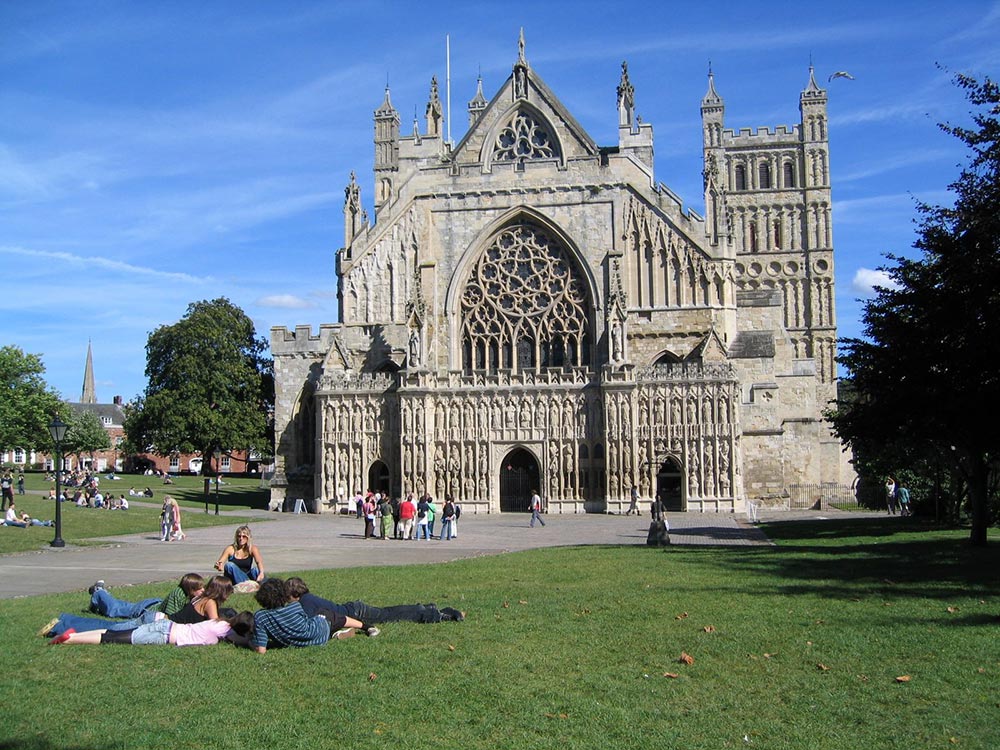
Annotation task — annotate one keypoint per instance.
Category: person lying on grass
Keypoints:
(203, 604)
(162, 632)
(283, 622)
(366, 613)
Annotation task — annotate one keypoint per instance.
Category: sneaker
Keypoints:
(342, 634)
(452, 614)
(48, 627)
(97, 585)
(62, 638)
(371, 631)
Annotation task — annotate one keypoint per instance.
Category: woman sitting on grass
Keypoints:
(241, 561)
(162, 632)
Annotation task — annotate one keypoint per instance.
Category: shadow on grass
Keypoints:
(41, 743)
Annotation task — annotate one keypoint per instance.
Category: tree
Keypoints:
(209, 386)
(86, 434)
(925, 379)
(27, 403)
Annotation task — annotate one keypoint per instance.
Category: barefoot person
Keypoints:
(241, 561)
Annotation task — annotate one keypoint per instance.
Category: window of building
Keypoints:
(764, 176)
(741, 177)
(525, 138)
(106, 421)
(524, 306)
(19, 455)
(789, 175)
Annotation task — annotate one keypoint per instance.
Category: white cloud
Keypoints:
(284, 301)
(865, 280)
(99, 262)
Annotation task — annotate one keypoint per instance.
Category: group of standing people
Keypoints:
(407, 518)
(897, 497)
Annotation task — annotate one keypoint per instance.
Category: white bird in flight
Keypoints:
(840, 74)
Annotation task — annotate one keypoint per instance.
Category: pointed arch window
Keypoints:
(524, 138)
(524, 307)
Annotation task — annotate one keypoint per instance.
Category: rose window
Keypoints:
(524, 306)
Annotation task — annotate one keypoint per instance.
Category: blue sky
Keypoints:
(155, 154)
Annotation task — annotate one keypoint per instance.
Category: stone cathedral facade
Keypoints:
(531, 310)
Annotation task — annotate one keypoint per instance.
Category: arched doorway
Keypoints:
(669, 485)
(518, 477)
(378, 477)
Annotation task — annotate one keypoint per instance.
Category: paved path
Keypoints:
(307, 542)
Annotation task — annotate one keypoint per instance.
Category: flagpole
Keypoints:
(447, 52)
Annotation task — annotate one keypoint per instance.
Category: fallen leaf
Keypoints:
(889, 581)
(903, 678)
(671, 675)
(952, 610)
(822, 668)
(768, 656)
(681, 616)
(557, 716)
(953, 740)
(506, 605)
(886, 604)
(863, 678)
(450, 647)
(372, 677)
(981, 670)
(809, 643)
(709, 628)
(521, 601)
(819, 622)
(686, 658)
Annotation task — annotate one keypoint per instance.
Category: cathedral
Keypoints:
(530, 310)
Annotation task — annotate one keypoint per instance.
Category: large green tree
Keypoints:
(924, 381)
(210, 385)
(27, 403)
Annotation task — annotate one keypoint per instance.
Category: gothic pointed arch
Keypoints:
(523, 133)
(523, 303)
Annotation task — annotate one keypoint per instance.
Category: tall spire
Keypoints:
(89, 395)
(626, 100)
(433, 111)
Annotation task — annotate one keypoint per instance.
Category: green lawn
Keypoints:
(80, 525)
(794, 646)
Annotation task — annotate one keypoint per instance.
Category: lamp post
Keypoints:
(57, 428)
(218, 466)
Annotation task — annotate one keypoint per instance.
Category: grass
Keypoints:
(81, 525)
(794, 646)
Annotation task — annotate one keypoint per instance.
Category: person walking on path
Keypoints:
(634, 504)
(536, 509)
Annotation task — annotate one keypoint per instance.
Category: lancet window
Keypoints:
(524, 306)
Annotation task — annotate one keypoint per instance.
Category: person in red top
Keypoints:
(407, 512)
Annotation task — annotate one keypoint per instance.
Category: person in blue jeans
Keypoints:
(191, 585)
(536, 509)
(103, 603)
(241, 561)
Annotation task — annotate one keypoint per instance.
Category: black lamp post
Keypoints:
(57, 428)
(218, 467)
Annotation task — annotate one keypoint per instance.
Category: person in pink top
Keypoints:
(164, 631)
